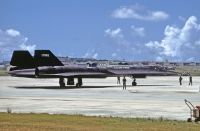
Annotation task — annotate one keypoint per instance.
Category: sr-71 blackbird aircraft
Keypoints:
(44, 64)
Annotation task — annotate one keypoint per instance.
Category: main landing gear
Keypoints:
(70, 81)
(61, 82)
(79, 83)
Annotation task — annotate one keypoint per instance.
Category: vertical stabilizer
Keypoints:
(46, 58)
(22, 59)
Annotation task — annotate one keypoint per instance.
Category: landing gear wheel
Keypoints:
(61, 82)
(79, 83)
(134, 83)
(189, 120)
(70, 81)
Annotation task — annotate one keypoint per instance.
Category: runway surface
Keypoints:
(153, 97)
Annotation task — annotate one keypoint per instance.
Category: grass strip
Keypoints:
(60, 122)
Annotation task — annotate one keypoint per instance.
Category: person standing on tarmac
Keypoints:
(124, 83)
(180, 80)
(190, 80)
(118, 80)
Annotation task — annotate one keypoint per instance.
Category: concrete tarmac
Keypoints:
(153, 97)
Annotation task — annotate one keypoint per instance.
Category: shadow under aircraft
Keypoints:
(44, 64)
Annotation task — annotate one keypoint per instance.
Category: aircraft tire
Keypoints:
(62, 84)
(134, 83)
(78, 85)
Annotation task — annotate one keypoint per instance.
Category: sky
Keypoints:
(139, 30)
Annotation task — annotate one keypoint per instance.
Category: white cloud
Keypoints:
(190, 59)
(91, 54)
(86, 55)
(140, 31)
(11, 40)
(13, 32)
(95, 55)
(116, 33)
(30, 48)
(117, 36)
(181, 43)
(138, 12)
(153, 44)
(159, 58)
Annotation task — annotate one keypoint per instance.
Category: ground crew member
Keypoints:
(118, 80)
(124, 83)
(190, 80)
(180, 80)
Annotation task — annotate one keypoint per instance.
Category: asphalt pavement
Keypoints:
(153, 97)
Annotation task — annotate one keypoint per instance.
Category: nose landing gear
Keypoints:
(134, 83)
